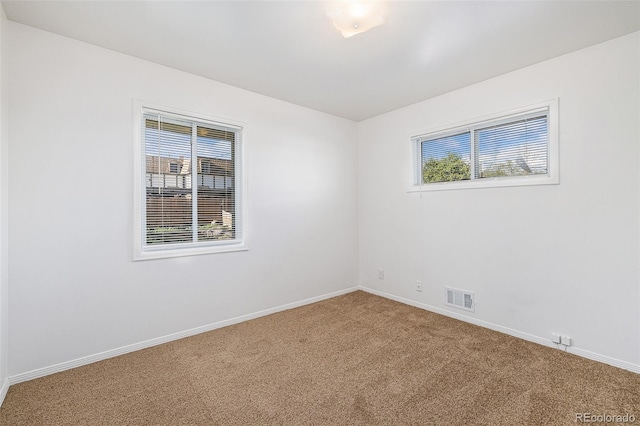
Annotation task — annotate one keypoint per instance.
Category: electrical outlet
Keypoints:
(560, 339)
(418, 285)
(381, 274)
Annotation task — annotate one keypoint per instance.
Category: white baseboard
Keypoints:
(67, 365)
(3, 391)
(41, 372)
(525, 336)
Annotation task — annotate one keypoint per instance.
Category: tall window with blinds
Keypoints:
(191, 193)
(516, 149)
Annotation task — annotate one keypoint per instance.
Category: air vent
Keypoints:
(461, 299)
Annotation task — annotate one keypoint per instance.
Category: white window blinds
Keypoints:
(190, 173)
(447, 158)
(502, 149)
(516, 148)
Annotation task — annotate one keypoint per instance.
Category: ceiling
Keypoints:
(289, 50)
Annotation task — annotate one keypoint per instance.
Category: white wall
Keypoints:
(543, 259)
(4, 330)
(74, 289)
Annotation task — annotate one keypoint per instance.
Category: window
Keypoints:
(174, 216)
(517, 148)
(205, 167)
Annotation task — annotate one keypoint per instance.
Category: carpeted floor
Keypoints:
(356, 359)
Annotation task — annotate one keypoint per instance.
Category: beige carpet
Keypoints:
(357, 359)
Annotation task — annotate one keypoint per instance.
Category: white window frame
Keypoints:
(144, 252)
(552, 177)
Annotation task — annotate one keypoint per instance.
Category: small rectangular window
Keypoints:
(175, 217)
(518, 148)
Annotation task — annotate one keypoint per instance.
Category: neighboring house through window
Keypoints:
(205, 167)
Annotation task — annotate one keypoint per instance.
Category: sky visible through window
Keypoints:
(523, 143)
(439, 148)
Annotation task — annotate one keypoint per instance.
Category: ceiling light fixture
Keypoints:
(355, 17)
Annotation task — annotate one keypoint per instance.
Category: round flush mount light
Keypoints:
(355, 17)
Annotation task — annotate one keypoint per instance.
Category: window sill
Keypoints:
(487, 183)
(164, 253)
